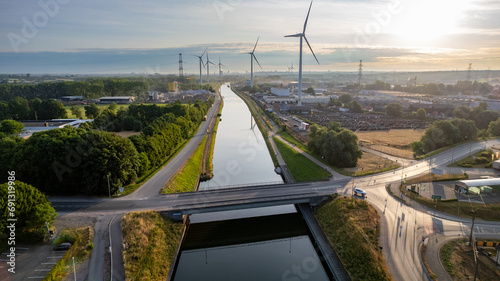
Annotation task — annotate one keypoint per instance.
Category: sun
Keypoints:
(421, 22)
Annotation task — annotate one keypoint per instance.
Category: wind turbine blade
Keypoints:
(305, 23)
(204, 52)
(311, 50)
(256, 60)
(294, 35)
(255, 45)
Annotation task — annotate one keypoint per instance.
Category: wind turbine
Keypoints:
(291, 68)
(208, 68)
(252, 57)
(201, 63)
(220, 68)
(303, 35)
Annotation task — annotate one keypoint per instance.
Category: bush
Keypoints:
(482, 160)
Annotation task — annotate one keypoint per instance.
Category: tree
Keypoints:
(355, 107)
(75, 110)
(113, 106)
(310, 90)
(421, 114)
(345, 98)
(494, 128)
(4, 111)
(337, 145)
(52, 109)
(462, 111)
(32, 211)
(394, 109)
(92, 110)
(19, 108)
(484, 118)
(10, 126)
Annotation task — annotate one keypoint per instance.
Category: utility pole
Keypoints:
(472, 227)
(74, 269)
(181, 68)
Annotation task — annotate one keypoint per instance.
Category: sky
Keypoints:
(124, 36)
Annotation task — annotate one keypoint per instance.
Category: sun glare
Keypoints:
(427, 20)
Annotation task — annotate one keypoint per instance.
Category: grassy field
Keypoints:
(81, 239)
(126, 134)
(353, 227)
(393, 142)
(301, 167)
(185, 180)
(458, 260)
(481, 159)
(289, 138)
(101, 107)
(371, 164)
(152, 242)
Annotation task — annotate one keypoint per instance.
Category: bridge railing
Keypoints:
(243, 185)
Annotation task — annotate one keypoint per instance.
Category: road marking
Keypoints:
(36, 277)
(54, 257)
(43, 269)
(49, 262)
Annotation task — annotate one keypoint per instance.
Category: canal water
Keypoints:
(256, 244)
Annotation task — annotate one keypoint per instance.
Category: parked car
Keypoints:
(62, 247)
(359, 191)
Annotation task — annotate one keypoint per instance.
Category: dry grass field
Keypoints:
(393, 142)
(370, 163)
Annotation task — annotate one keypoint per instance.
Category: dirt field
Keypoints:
(458, 259)
(393, 142)
(126, 134)
(371, 163)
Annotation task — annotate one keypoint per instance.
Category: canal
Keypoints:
(256, 244)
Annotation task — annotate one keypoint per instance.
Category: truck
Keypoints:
(303, 126)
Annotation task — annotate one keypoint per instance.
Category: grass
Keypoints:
(300, 166)
(289, 138)
(458, 260)
(152, 242)
(101, 107)
(185, 180)
(473, 161)
(212, 143)
(371, 164)
(434, 178)
(353, 227)
(82, 246)
(489, 212)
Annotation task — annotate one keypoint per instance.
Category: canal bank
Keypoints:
(257, 244)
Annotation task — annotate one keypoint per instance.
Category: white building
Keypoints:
(316, 99)
(280, 92)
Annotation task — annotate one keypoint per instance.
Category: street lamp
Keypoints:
(74, 269)
(109, 188)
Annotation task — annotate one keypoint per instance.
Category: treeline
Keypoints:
(91, 89)
(468, 124)
(338, 146)
(21, 109)
(79, 160)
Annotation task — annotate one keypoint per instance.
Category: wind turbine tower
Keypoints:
(220, 68)
(360, 72)
(303, 36)
(200, 58)
(208, 68)
(181, 69)
(252, 57)
(291, 68)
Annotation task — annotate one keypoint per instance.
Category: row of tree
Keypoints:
(338, 146)
(73, 161)
(444, 133)
(91, 89)
(21, 109)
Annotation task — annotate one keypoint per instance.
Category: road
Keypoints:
(402, 226)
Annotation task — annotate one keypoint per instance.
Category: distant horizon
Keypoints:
(64, 36)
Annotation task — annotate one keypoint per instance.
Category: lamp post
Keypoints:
(472, 227)
(109, 188)
(74, 269)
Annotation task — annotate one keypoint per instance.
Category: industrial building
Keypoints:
(117, 100)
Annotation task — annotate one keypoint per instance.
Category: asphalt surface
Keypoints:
(402, 226)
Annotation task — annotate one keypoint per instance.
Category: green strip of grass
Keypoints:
(289, 138)
(82, 246)
(300, 166)
(342, 221)
(152, 242)
(185, 180)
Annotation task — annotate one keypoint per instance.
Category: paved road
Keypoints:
(402, 227)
